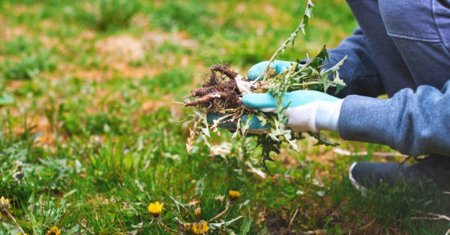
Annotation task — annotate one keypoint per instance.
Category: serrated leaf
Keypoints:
(319, 59)
(245, 227)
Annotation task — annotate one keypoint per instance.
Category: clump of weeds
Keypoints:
(218, 99)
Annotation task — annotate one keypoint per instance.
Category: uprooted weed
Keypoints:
(220, 91)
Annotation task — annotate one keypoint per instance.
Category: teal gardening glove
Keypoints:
(306, 110)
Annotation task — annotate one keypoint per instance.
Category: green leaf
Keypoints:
(245, 227)
(308, 14)
(320, 58)
(339, 83)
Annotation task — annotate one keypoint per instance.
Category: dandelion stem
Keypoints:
(178, 203)
(227, 207)
(15, 221)
(306, 84)
(178, 221)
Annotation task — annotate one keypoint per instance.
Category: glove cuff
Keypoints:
(327, 115)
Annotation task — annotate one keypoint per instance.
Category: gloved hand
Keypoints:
(255, 125)
(307, 110)
(256, 71)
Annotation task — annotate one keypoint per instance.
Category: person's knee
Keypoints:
(410, 19)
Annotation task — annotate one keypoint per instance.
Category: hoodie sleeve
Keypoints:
(359, 71)
(414, 123)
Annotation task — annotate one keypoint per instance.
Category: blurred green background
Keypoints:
(93, 125)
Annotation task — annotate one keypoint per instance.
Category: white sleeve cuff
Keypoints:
(327, 115)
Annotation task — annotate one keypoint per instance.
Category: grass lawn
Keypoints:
(93, 128)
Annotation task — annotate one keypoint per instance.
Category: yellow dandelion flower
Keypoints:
(155, 208)
(234, 194)
(5, 207)
(22, 234)
(198, 211)
(199, 228)
(54, 231)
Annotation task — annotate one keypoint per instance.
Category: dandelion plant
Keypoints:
(220, 97)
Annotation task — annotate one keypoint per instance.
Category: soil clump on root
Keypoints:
(219, 92)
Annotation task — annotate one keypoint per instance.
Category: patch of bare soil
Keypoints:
(149, 106)
(99, 75)
(41, 127)
(154, 39)
(141, 21)
(120, 53)
(288, 159)
(126, 71)
(278, 225)
(88, 75)
(45, 134)
(121, 48)
(9, 33)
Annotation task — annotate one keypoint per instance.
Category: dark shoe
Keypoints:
(431, 170)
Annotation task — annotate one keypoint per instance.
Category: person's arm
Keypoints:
(359, 71)
(414, 123)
